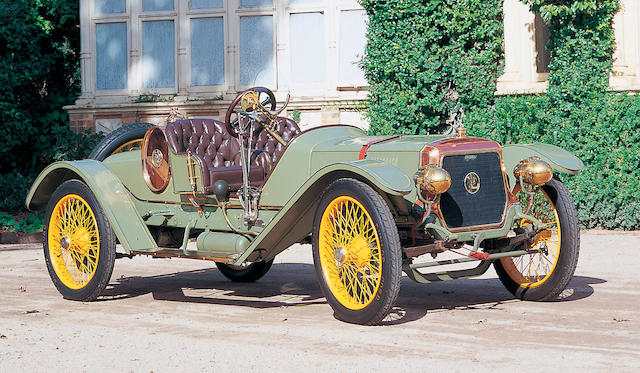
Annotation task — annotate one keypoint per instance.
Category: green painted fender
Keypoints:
(388, 178)
(114, 199)
(294, 221)
(559, 159)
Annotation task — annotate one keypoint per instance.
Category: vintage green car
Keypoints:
(372, 207)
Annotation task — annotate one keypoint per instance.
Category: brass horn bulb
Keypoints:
(432, 179)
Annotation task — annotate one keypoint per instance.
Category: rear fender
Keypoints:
(559, 159)
(114, 199)
(295, 220)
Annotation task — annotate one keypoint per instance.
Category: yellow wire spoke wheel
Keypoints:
(534, 269)
(350, 253)
(73, 241)
(546, 273)
(79, 243)
(356, 252)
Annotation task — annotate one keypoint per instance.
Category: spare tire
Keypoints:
(123, 139)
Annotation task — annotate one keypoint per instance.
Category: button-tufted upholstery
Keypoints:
(219, 153)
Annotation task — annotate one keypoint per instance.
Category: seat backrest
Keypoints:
(209, 139)
(287, 129)
(206, 137)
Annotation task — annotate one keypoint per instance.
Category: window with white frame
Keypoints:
(256, 44)
(526, 35)
(171, 46)
(351, 43)
(207, 43)
(158, 36)
(543, 56)
(307, 41)
(110, 28)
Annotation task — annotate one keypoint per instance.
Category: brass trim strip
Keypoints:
(236, 207)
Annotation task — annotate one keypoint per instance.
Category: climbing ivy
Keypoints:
(417, 50)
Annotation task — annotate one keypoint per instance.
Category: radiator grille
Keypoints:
(460, 208)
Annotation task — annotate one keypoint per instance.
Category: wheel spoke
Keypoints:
(347, 226)
(534, 269)
(73, 219)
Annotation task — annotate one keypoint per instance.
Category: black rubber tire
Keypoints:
(107, 247)
(391, 252)
(569, 250)
(252, 273)
(117, 138)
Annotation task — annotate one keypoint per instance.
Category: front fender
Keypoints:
(559, 159)
(115, 200)
(386, 177)
(294, 221)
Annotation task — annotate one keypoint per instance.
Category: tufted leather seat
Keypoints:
(219, 153)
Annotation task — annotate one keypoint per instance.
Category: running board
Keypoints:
(177, 253)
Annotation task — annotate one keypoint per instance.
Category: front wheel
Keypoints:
(544, 275)
(356, 252)
(79, 243)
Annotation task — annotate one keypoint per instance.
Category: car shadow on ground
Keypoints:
(292, 284)
(416, 300)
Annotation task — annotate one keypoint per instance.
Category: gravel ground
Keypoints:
(168, 315)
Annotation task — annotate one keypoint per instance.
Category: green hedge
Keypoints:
(427, 39)
(417, 50)
(39, 75)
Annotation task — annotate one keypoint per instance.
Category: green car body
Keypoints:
(160, 223)
(310, 163)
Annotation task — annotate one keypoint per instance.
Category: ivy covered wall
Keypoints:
(417, 50)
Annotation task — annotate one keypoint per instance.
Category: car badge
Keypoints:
(156, 158)
(472, 183)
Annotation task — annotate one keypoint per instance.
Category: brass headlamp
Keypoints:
(533, 171)
(432, 179)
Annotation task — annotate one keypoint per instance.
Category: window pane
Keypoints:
(207, 51)
(158, 54)
(307, 47)
(303, 2)
(111, 55)
(257, 62)
(109, 6)
(206, 4)
(542, 39)
(256, 2)
(155, 5)
(353, 28)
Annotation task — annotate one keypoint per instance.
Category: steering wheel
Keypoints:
(246, 105)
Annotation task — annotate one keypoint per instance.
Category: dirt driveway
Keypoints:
(166, 315)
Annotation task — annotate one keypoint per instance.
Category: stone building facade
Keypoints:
(526, 60)
(152, 60)
(143, 60)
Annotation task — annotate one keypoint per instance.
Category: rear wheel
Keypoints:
(356, 252)
(126, 138)
(79, 244)
(544, 275)
(250, 273)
